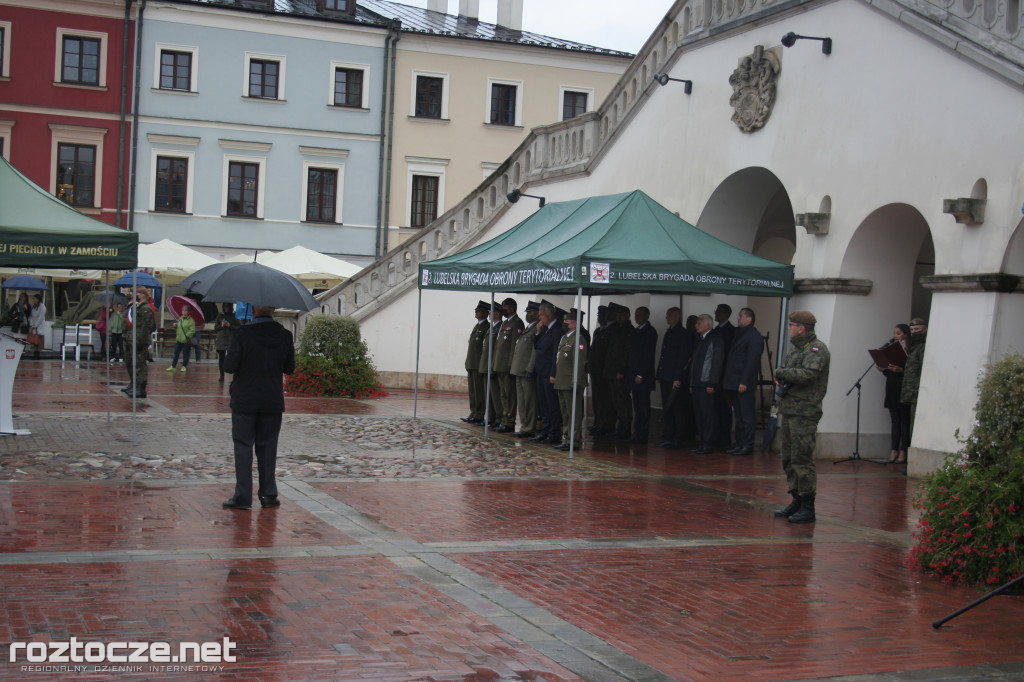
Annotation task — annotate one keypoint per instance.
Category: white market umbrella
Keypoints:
(172, 262)
(312, 268)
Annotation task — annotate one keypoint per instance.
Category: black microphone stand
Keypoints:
(856, 446)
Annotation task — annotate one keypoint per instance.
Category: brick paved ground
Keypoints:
(417, 550)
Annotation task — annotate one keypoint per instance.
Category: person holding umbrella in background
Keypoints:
(225, 326)
(185, 330)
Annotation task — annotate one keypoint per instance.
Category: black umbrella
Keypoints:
(110, 297)
(250, 282)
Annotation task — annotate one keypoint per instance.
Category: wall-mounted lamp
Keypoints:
(789, 40)
(514, 195)
(663, 79)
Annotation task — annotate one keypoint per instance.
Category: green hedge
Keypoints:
(333, 360)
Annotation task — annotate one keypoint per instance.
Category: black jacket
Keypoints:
(675, 353)
(706, 367)
(260, 353)
(744, 359)
(641, 357)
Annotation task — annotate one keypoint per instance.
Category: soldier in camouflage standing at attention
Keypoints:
(802, 381)
(474, 379)
(143, 319)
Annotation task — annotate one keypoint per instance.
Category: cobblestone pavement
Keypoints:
(416, 549)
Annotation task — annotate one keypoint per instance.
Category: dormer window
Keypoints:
(341, 7)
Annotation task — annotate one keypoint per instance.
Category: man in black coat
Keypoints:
(727, 332)
(260, 353)
(616, 370)
(739, 381)
(705, 383)
(641, 374)
(549, 333)
(671, 363)
(604, 413)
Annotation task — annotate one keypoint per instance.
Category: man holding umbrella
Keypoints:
(260, 353)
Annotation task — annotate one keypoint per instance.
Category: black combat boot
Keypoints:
(806, 512)
(791, 508)
(141, 392)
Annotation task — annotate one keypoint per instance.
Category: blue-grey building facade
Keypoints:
(259, 129)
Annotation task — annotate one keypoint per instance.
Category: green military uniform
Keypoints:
(521, 369)
(475, 379)
(504, 346)
(143, 322)
(806, 371)
(570, 344)
(495, 410)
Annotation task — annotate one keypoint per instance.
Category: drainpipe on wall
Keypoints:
(135, 117)
(387, 117)
(391, 128)
(124, 113)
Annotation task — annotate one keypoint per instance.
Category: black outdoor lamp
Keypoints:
(514, 195)
(663, 79)
(789, 40)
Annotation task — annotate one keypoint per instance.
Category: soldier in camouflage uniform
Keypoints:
(474, 378)
(571, 344)
(523, 358)
(143, 320)
(803, 379)
(912, 370)
(504, 346)
(486, 368)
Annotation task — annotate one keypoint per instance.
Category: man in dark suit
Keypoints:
(549, 333)
(640, 362)
(739, 381)
(260, 353)
(671, 362)
(604, 413)
(705, 383)
(727, 332)
(616, 369)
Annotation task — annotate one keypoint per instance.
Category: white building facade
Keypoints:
(888, 173)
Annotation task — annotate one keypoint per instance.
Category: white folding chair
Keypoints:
(77, 336)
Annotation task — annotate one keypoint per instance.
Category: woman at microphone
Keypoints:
(898, 412)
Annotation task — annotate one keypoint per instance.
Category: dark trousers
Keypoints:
(547, 406)
(178, 346)
(743, 405)
(604, 412)
(258, 432)
(706, 416)
(619, 393)
(723, 418)
(900, 416)
(117, 346)
(641, 413)
(672, 412)
(220, 361)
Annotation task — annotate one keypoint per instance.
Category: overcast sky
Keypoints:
(604, 23)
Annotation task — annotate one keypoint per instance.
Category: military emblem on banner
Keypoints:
(600, 273)
(426, 277)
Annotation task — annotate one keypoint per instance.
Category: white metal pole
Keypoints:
(575, 371)
(490, 354)
(416, 378)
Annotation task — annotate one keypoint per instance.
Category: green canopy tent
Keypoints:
(618, 243)
(38, 230)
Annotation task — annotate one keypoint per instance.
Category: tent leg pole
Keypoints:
(490, 354)
(783, 336)
(575, 373)
(416, 377)
(135, 341)
(106, 288)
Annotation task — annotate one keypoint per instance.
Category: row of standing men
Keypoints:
(707, 375)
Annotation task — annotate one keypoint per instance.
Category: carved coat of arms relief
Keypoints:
(753, 88)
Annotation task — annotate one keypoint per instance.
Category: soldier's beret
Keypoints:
(602, 307)
(918, 321)
(483, 306)
(533, 305)
(572, 314)
(510, 301)
(804, 317)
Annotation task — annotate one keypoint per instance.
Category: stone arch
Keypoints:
(492, 196)
(453, 232)
(515, 172)
(1009, 322)
(392, 274)
(751, 210)
(480, 208)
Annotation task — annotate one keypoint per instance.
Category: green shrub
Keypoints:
(333, 360)
(971, 520)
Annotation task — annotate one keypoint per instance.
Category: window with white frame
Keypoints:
(349, 85)
(172, 173)
(5, 49)
(81, 58)
(504, 102)
(76, 164)
(429, 95)
(425, 189)
(264, 76)
(574, 102)
(323, 183)
(244, 179)
(5, 138)
(177, 68)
